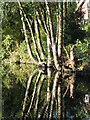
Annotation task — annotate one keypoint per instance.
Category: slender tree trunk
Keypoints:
(72, 56)
(34, 91)
(64, 18)
(38, 95)
(53, 94)
(28, 86)
(33, 39)
(72, 86)
(60, 36)
(59, 102)
(41, 23)
(57, 32)
(59, 97)
(48, 44)
(52, 38)
(39, 38)
(26, 38)
(48, 87)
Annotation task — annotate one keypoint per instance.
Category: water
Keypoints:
(31, 93)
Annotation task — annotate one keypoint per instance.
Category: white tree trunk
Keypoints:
(39, 39)
(60, 31)
(52, 38)
(26, 38)
(28, 86)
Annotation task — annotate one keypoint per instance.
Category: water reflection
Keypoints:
(50, 105)
(33, 93)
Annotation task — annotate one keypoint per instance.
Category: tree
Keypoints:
(47, 26)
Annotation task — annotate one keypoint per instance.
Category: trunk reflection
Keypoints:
(47, 96)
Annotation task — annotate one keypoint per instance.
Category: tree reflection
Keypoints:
(70, 81)
(46, 101)
(33, 94)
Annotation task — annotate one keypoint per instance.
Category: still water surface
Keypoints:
(30, 93)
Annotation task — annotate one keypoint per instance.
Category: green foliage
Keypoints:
(14, 45)
(11, 24)
(82, 50)
(8, 44)
(73, 25)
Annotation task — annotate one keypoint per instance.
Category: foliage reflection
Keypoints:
(36, 93)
